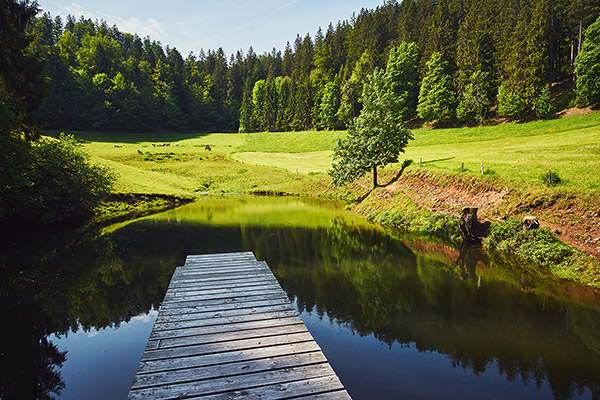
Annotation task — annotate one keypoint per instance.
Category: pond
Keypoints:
(397, 317)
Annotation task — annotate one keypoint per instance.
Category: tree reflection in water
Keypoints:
(480, 309)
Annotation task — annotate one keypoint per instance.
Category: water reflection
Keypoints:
(413, 310)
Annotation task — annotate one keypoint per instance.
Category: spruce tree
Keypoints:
(475, 101)
(402, 71)
(436, 97)
(587, 66)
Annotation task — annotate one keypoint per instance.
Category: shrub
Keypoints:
(511, 103)
(554, 179)
(543, 105)
(538, 245)
(63, 182)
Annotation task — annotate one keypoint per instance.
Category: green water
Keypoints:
(397, 317)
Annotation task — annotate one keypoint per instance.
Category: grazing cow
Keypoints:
(139, 151)
(153, 145)
(207, 148)
(175, 144)
(117, 146)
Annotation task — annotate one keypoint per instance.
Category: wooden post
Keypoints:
(462, 167)
(482, 168)
(420, 161)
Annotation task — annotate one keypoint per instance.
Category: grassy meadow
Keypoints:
(296, 162)
(517, 154)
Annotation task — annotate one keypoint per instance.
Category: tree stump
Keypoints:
(471, 230)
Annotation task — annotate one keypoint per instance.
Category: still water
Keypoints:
(396, 317)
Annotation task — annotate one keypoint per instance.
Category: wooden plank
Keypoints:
(265, 336)
(240, 382)
(223, 306)
(169, 364)
(328, 388)
(222, 321)
(231, 300)
(226, 329)
(188, 346)
(222, 284)
(241, 367)
(210, 329)
(223, 294)
(190, 291)
(174, 317)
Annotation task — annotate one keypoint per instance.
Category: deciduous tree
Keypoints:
(375, 138)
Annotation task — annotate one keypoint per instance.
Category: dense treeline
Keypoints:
(41, 180)
(480, 53)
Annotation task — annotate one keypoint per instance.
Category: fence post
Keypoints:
(482, 173)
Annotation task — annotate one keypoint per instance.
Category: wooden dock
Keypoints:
(226, 330)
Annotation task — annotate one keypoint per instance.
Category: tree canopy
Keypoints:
(587, 66)
(378, 135)
(134, 83)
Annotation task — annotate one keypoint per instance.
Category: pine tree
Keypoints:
(436, 97)
(587, 66)
(475, 101)
(402, 71)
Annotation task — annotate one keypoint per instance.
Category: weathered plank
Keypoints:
(171, 364)
(227, 330)
(187, 346)
(223, 321)
(325, 388)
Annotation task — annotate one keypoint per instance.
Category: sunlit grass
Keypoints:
(515, 154)
(303, 163)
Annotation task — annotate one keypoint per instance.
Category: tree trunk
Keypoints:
(374, 176)
(471, 230)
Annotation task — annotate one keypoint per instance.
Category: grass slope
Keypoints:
(517, 154)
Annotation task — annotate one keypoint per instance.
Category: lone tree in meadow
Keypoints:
(376, 137)
(587, 66)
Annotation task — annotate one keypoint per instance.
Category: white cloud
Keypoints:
(150, 27)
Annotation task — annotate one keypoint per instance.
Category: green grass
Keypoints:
(290, 142)
(187, 168)
(512, 154)
(303, 163)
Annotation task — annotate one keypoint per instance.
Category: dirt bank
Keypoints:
(574, 217)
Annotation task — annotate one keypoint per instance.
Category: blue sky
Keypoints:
(190, 25)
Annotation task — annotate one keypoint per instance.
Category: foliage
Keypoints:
(511, 103)
(539, 245)
(587, 66)
(21, 82)
(375, 138)
(436, 96)
(554, 179)
(543, 106)
(63, 183)
(402, 71)
(524, 44)
(475, 102)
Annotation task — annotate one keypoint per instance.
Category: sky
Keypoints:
(191, 25)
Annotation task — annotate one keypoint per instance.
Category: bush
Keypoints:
(543, 105)
(554, 179)
(538, 245)
(511, 103)
(63, 182)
